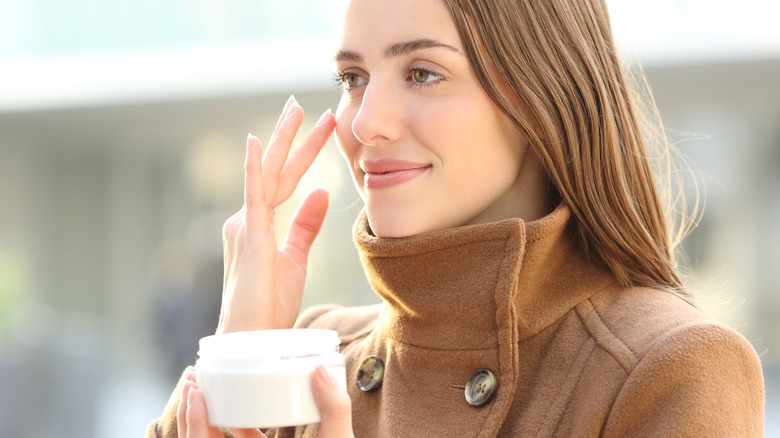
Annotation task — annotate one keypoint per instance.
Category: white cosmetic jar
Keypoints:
(260, 379)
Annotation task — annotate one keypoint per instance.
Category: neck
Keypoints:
(528, 199)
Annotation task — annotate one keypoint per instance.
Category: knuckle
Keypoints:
(230, 227)
(249, 199)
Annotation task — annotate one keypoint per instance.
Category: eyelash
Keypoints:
(423, 85)
(340, 79)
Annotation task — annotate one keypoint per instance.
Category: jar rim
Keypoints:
(269, 344)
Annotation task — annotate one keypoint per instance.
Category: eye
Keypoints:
(421, 77)
(349, 80)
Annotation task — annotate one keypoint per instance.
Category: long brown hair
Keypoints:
(556, 60)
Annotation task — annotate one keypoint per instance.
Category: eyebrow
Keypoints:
(398, 49)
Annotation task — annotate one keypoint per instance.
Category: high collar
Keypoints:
(477, 286)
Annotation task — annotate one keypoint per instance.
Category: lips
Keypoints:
(385, 173)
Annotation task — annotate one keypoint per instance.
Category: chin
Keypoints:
(389, 228)
(395, 222)
(394, 225)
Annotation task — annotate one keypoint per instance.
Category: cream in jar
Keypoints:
(263, 378)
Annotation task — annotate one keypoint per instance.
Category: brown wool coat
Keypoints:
(573, 352)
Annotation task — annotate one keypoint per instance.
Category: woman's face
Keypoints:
(426, 146)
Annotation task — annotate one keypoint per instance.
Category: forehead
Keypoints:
(373, 25)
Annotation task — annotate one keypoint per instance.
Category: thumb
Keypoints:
(306, 224)
(197, 418)
(334, 405)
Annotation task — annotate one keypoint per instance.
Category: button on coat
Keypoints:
(370, 373)
(481, 387)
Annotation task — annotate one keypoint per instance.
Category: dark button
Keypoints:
(481, 387)
(370, 373)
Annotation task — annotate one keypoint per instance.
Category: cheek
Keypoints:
(345, 139)
(347, 142)
(453, 130)
(435, 126)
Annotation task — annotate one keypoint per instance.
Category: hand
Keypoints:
(263, 284)
(332, 401)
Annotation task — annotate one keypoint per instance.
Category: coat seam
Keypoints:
(584, 352)
(601, 319)
(438, 349)
(627, 368)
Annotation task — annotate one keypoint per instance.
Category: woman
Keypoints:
(513, 228)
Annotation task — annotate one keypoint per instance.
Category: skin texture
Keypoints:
(410, 94)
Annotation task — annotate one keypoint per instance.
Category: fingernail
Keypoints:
(191, 396)
(288, 103)
(291, 109)
(251, 139)
(323, 118)
(185, 391)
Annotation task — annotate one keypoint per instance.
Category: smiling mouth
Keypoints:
(386, 173)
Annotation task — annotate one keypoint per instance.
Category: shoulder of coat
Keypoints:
(628, 323)
(350, 322)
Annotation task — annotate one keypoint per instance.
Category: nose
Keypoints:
(379, 120)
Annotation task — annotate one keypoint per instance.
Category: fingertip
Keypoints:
(196, 409)
(181, 411)
(326, 119)
(295, 108)
(185, 390)
(323, 375)
(333, 402)
(322, 188)
(251, 142)
(319, 198)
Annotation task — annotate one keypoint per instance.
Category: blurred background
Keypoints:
(122, 131)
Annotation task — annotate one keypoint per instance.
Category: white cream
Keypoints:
(263, 378)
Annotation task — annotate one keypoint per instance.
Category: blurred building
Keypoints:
(121, 151)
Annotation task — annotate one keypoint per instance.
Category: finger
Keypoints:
(181, 412)
(256, 212)
(197, 419)
(303, 156)
(229, 233)
(333, 402)
(279, 148)
(282, 116)
(306, 225)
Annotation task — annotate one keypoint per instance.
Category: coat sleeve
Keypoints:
(698, 380)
